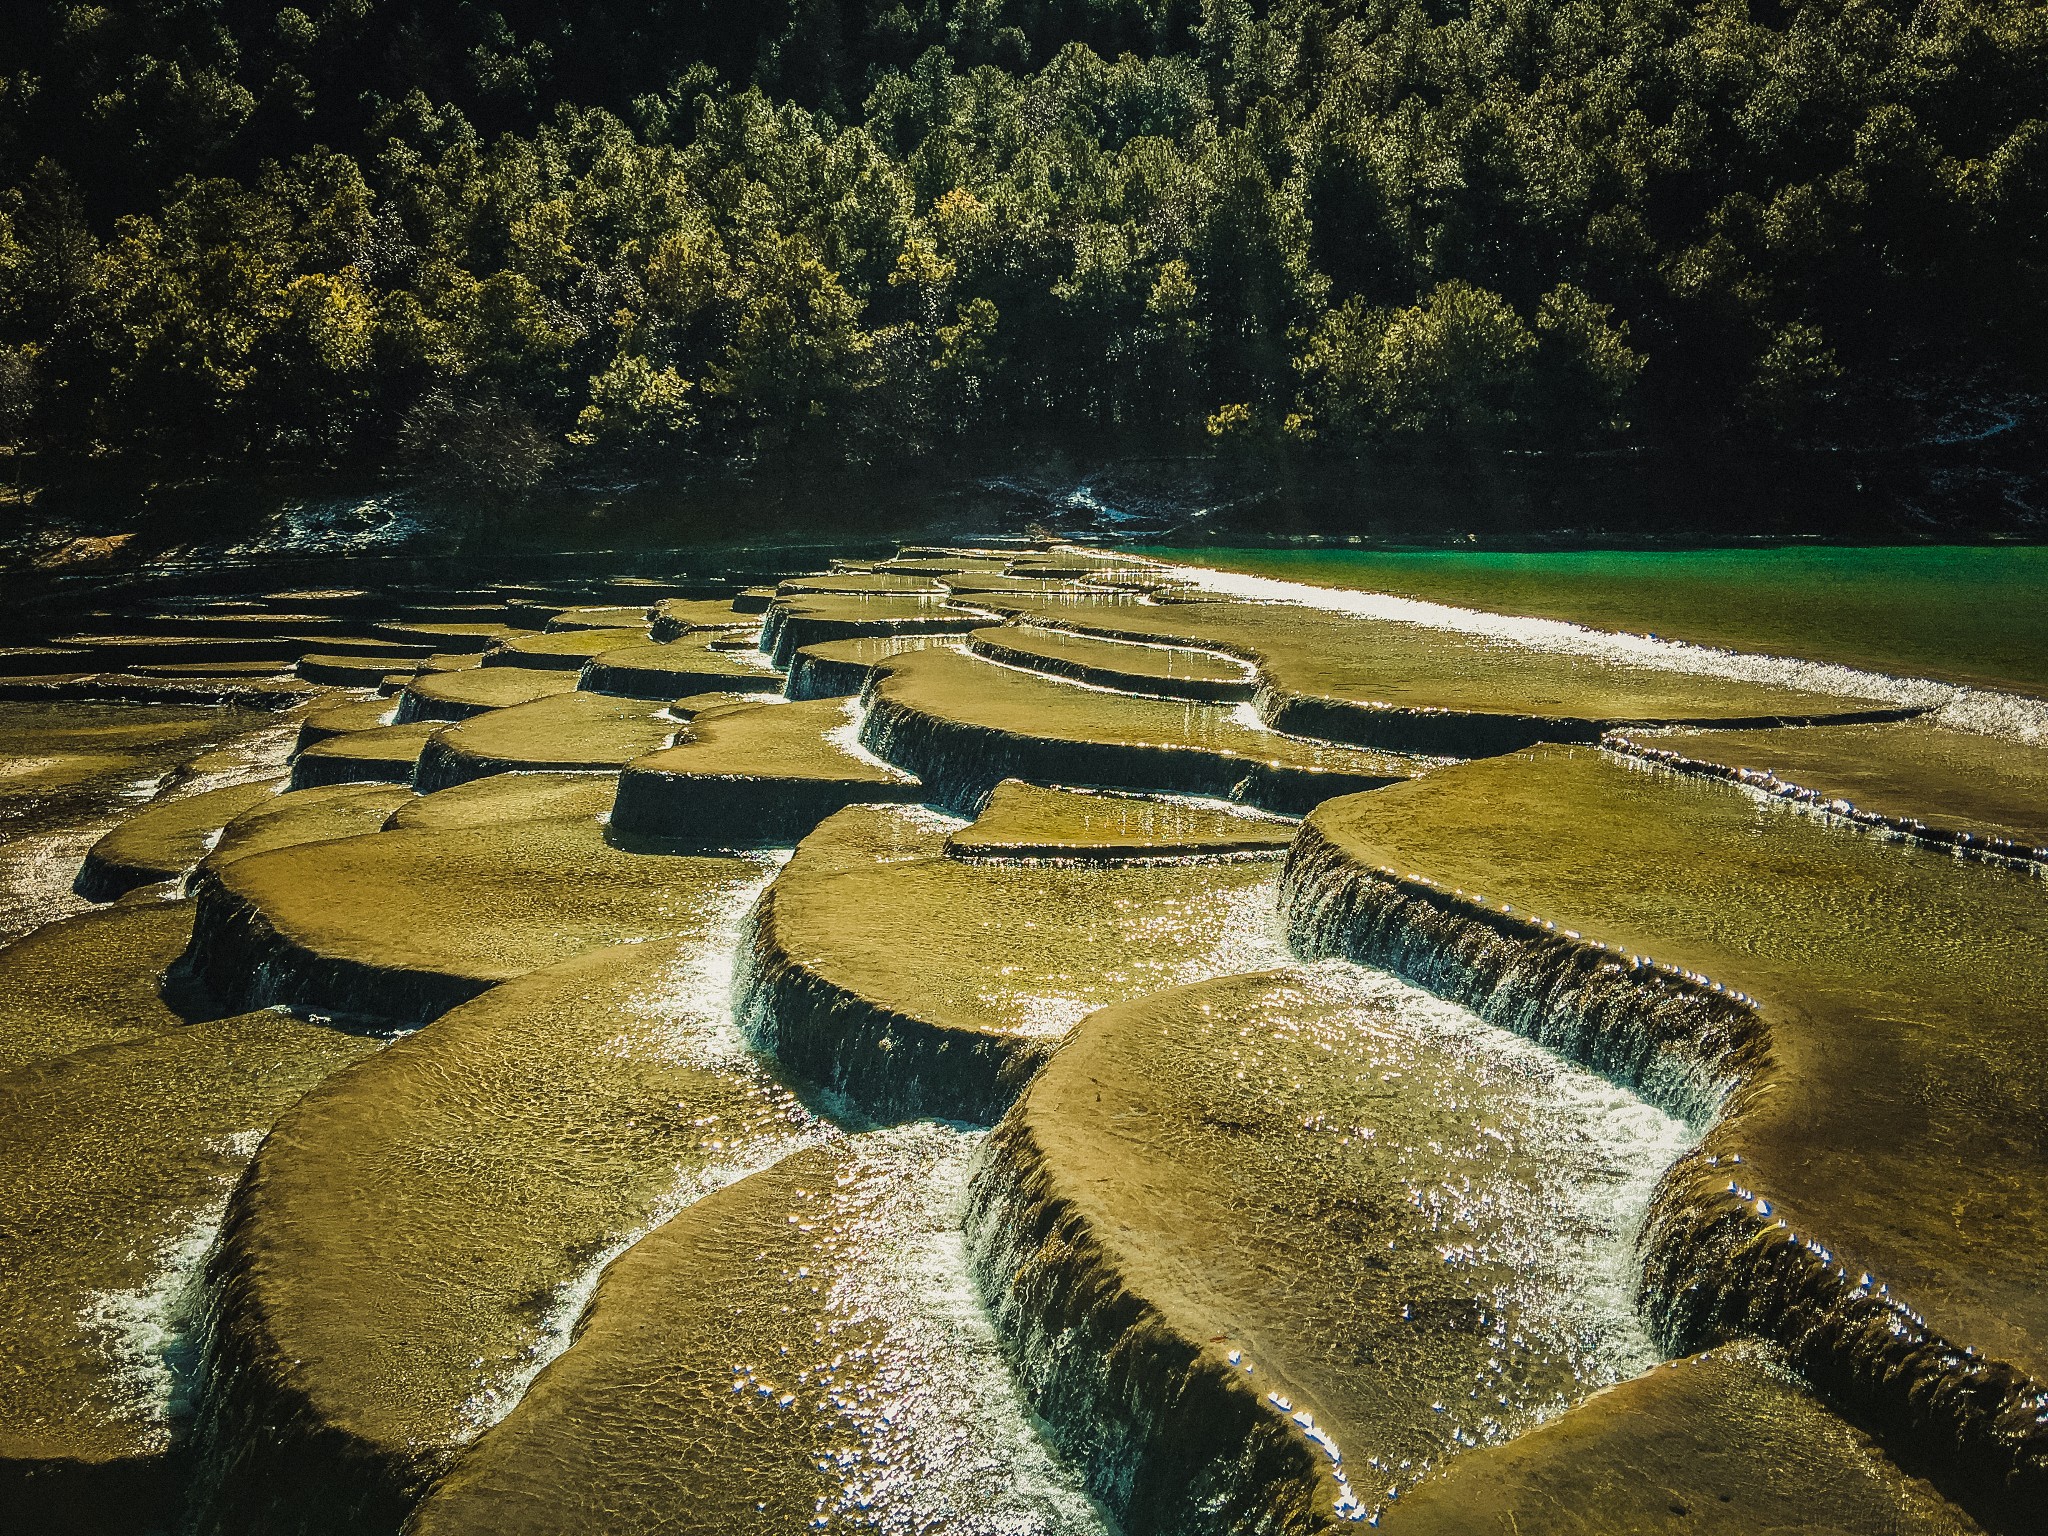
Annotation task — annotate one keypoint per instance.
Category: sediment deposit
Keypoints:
(868, 967)
(794, 1048)
(1844, 1071)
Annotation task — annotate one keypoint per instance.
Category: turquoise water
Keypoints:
(1966, 614)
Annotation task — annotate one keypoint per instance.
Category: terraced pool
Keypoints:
(1025, 1040)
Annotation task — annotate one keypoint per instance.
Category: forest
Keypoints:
(513, 241)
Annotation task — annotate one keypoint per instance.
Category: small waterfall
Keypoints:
(254, 1414)
(1683, 1045)
(413, 708)
(442, 765)
(237, 962)
(778, 641)
(960, 764)
(770, 644)
(813, 678)
(1719, 1261)
(1107, 1376)
(887, 1065)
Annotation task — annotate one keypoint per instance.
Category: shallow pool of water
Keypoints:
(1964, 614)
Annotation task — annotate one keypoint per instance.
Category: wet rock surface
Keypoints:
(752, 776)
(564, 651)
(675, 616)
(316, 815)
(1170, 671)
(802, 619)
(915, 983)
(1031, 821)
(1730, 1441)
(1860, 1015)
(678, 668)
(573, 1212)
(509, 797)
(90, 979)
(73, 769)
(840, 668)
(386, 754)
(114, 1164)
(381, 926)
(470, 636)
(796, 1352)
(370, 670)
(458, 695)
(613, 617)
(1414, 689)
(340, 718)
(1353, 1232)
(1952, 788)
(165, 840)
(963, 724)
(580, 731)
(530, 1135)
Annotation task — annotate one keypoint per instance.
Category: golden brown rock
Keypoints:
(1858, 1016)
(114, 1165)
(416, 1239)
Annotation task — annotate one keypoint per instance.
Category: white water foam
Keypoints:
(1569, 1235)
(260, 754)
(149, 1334)
(37, 867)
(695, 1009)
(945, 1440)
(847, 739)
(36, 871)
(1983, 712)
(1253, 938)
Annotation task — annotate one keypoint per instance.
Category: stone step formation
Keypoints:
(999, 1039)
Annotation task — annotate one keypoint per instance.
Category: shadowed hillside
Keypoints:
(511, 244)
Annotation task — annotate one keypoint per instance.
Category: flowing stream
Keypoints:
(1520, 1133)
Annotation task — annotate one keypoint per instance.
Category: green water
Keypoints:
(1966, 614)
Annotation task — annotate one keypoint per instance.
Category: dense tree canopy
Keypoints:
(526, 238)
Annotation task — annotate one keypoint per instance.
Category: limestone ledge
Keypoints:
(240, 961)
(1975, 845)
(791, 624)
(890, 1062)
(1449, 732)
(1173, 1437)
(1719, 1263)
(385, 754)
(1086, 659)
(962, 762)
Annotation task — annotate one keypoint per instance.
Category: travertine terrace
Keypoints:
(999, 1040)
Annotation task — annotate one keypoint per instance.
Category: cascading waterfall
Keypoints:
(1678, 1042)
(1718, 1262)
(960, 763)
(929, 1004)
(239, 962)
(1177, 1437)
